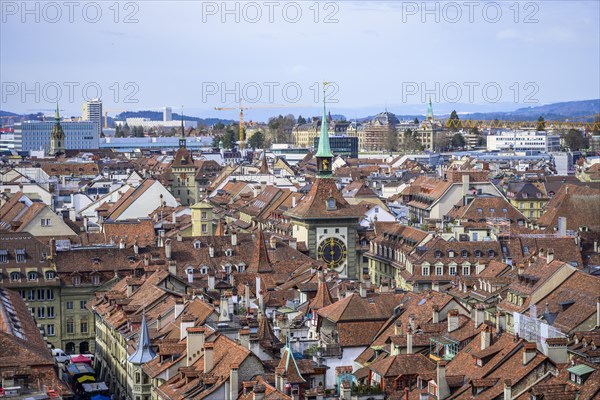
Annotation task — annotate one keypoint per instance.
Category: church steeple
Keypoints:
(182, 142)
(143, 352)
(324, 155)
(429, 110)
(57, 136)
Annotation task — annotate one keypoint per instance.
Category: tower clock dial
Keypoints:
(333, 251)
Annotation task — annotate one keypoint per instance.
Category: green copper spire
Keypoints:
(57, 116)
(324, 150)
(429, 110)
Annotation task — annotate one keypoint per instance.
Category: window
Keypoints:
(83, 325)
(325, 231)
(20, 255)
(76, 280)
(50, 294)
(331, 203)
(438, 254)
(3, 256)
(138, 378)
(22, 294)
(451, 254)
(439, 270)
(425, 270)
(41, 312)
(41, 294)
(492, 210)
(95, 280)
(478, 253)
(452, 270)
(203, 215)
(530, 205)
(50, 275)
(530, 213)
(337, 230)
(479, 211)
(69, 305)
(50, 330)
(46, 222)
(204, 228)
(464, 254)
(82, 304)
(31, 294)
(32, 276)
(197, 244)
(491, 253)
(70, 326)
(525, 249)
(466, 270)
(15, 276)
(504, 210)
(50, 312)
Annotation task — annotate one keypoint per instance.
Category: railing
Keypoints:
(331, 347)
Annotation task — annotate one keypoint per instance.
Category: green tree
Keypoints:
(458, 141)
(454, 121)
(301, 120)
(391, 140)
(541, 125)
(231, 137)
(216, 140)
(416, 121)
(118, 131)
(257, 140)
(575, 140)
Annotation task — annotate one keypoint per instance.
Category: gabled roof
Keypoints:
(323, 297)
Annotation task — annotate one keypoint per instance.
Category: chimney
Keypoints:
(273, 242)
(172, 267)
(486, 338)
(258, 391)
(521, 269)
(174, 218)
(121, 244)
(190, 274)
(244, 337)
(595, 246)
(443, 388)
(136, 247)
(211, 251)
(411, 321)
(362, 290)
(211, 280)
(159, 322)
(598, 311)
(409, 341)
(129, 289)
(465, 184)
(146, 260)
(500, 322)
(557, 350)
(529, 352)
(562, 226)
(195, 344)
(234, 387)
(452, 320)
(550, 256)
(178, 308)
(234, 237)
(507, 389)
(436, 314)
(179, 237)
(293, 243)
(52, 248)
(187, 321)
(168, 249)
(209, 352)
(478, 316)
(246, 296)
(293, 200)
(398, 328)
(224, 309)
(161, 238)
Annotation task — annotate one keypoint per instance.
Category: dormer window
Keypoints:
(50, 275)
(228, 252)
(32, 276)
(204, 270)
(464, 253)
(20, 255)
(451, 254)
(331, 203)
(196, 244)
(478, 253)
(491, 253)
(438, 254)
(479, 211)
(76, 280)
(4, 256)
(95, 279)
(15, 276)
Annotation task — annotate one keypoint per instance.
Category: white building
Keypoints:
(167, 114)
(539, 141)
(35, 135)
(148, 123)
(92, 111)
(7, 142)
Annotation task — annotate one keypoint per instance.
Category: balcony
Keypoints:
(329, 346)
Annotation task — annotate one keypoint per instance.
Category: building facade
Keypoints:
(539, 141)
(35, 135)
(92, 111)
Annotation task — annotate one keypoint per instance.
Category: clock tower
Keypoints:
(323, 219)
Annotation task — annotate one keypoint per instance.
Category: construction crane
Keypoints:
(241, 109)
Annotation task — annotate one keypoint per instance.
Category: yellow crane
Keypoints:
(241, 109)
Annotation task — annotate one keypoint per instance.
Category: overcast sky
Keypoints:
(149, 54)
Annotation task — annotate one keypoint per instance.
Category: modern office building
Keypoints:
(92, 111)
(520, 140)
(344, 146)
(35, 135)
(167, 114)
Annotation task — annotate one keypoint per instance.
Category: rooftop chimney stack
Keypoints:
(443, 388)
(507, 389)
(550, 256)
(409, 341)
(136, 247)
(529, 352)
(234, 237)
(209, 350)
(452, 320)
(436, 314)
(211, 251)
(486, 338)
(195, 344)
(234, 382)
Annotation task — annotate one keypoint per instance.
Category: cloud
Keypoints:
(299, 69)
(508, 34)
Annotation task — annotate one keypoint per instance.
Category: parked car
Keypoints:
(60, 356)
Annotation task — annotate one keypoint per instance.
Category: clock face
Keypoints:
(333, 251)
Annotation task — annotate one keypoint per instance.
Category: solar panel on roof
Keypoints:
(422, 301)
